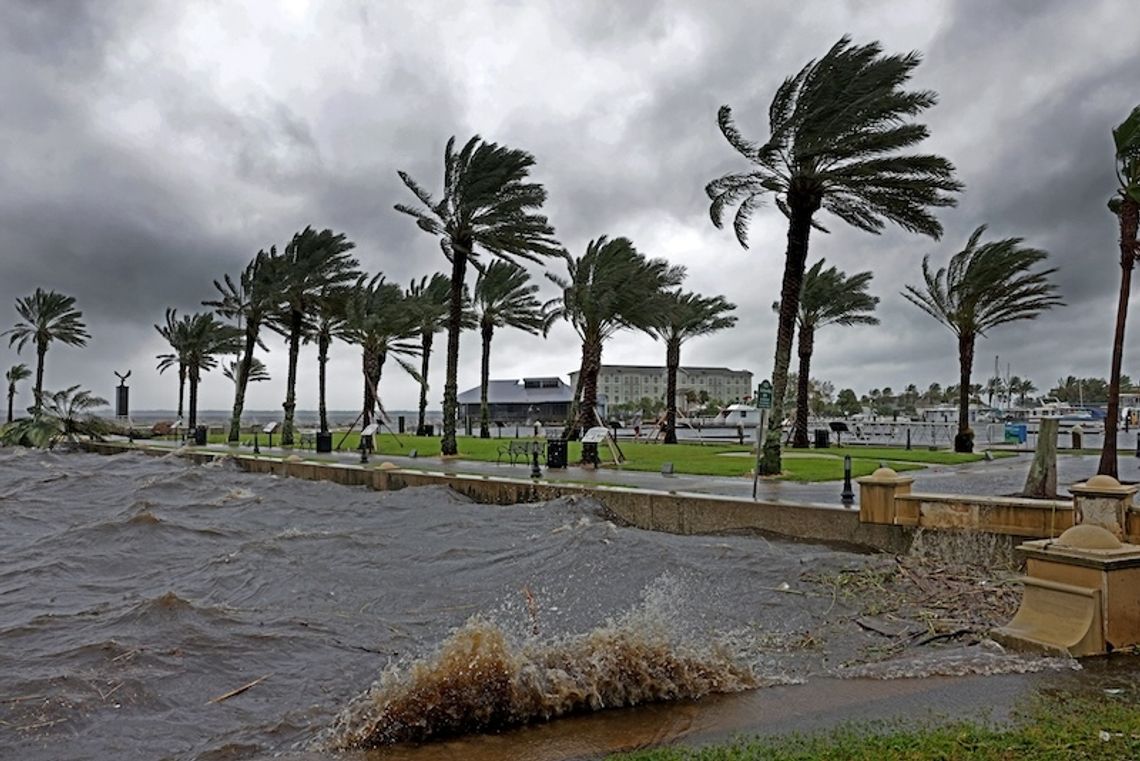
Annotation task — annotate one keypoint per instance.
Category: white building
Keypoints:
(629, 383)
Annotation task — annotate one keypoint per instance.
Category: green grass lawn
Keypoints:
(729, 460)
(1055, 728)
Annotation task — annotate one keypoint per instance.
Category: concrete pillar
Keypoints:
(877, 494)
(1103, 501)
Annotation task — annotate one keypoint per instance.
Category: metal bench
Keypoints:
(308, 439)
(516, 448)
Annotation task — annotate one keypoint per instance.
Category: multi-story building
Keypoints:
(630, 383)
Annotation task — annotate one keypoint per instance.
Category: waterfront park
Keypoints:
(841, 578)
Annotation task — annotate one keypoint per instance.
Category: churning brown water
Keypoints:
(138, 596)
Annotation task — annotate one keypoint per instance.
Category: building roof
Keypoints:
(661, 368)
(519, 391)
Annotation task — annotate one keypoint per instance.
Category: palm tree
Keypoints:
(377, 320)
(829, 297)
(1022, 387)
(15, 374)
(984, 285)
(175, 334)
(312, 263)
(250, 301)
(64, 416)
(429, 299)
(258, 372)
(1125, 204)
(685, 316)
(504, 298)
(47, 316)
(837, 131)
(611, 287)
(327, 324)
(487, 206)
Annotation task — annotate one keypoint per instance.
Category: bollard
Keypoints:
(908, 439)
(363, 452)
(535, 471)
(256, 448)
(848, 495)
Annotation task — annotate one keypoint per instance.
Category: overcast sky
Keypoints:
(149, 147)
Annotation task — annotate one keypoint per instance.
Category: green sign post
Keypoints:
(764, 404)
(764, 395)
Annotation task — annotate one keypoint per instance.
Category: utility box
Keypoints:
(822, 438)
(324, 442)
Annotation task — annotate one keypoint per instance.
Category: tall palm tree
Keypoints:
(487, 206)
(378, 321)
(174, 331)
(984, 285)
(250, 301)
(504, 298)
(258, 372)
(429, 299)
(1125, 204)
(15, 374)
(611, 287)
(46, 316)
(197, 340)
(685, 316)
(838, 129)
(1021, 387)
(829, 297)
(312, 263)
(328, 323)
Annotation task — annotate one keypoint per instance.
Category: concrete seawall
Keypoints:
(653, 510)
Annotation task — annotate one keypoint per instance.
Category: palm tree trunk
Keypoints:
(368, 367)
(1129, 219)
(454, 326)
(803, 387)
(181, 389)
(290, 404)
(485, 381)
(251, 329)
(11, 399)
(802, 206)
(322, 377)
(38, 393)
(193, 399)
(570, 430)
(672, 362)
(591, 366)
(965, 368)
(426, 342)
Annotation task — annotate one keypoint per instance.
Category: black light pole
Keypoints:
(535, 471)
(256, 447)
(848, 495)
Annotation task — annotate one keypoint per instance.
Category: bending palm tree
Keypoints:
(429, 300)
(611, 287)
(377, 320)
(47, 316)
(250, 301)
(504, 297)
(1126, 206)
(837, 130)
(15, 374)
(258, 372)
(197, 339)
(829, 297)
(312, 262)
(175, 333)
(685, 316)
(328, 324)
(487, 206)
(985, 285)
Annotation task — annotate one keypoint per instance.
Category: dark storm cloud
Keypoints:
(148, 151)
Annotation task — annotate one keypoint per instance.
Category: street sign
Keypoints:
(764, 395)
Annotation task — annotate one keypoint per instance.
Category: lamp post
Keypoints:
(847, 497)
(535, 471)
(363, 452)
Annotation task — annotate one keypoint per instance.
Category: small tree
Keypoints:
(985, 285)
(15, 374)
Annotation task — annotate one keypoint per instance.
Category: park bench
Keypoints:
(309, 439)
(518, 448)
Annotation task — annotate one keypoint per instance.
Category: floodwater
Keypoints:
(138, 596)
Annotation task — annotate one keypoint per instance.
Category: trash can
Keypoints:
(556, 453)
(822, 438)
(400, 423)
(324, 442)
(429, 429)
(590, 453)
(200, 435)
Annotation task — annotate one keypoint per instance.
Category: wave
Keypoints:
(481, 679)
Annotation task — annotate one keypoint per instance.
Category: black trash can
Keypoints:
(324, 442)
(590, 453)
(822, 438)
(400, 423)
(429, 429)
(556, 453)
(200, 435)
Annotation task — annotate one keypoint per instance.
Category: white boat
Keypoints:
(1066, 414)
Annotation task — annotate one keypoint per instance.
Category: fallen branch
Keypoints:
(239, 690)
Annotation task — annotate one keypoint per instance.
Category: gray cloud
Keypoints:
(148, 149)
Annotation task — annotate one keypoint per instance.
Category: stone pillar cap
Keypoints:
(1103, 484)
(885, 476)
